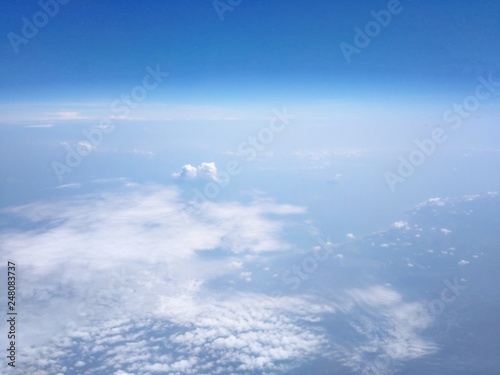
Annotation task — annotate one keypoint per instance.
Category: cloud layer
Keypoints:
(132, 282)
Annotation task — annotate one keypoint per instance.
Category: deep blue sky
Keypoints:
(97, 49)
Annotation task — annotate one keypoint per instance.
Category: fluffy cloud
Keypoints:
(401, 225)
(205, 171)
(127, 255)
(437, 201)
(251, 332)
(196, 334)
(131, 282)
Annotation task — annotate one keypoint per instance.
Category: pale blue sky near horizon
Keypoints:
(130, 271)
(225, 78)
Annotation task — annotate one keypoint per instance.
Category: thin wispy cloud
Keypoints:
(40, 126)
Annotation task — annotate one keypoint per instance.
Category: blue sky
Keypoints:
(109, 230)
(261, 50)
(263, 55)
(226, 77)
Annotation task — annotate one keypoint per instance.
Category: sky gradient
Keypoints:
(260, 51)
(251, 187)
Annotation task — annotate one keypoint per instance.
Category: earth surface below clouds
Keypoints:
(136, 282)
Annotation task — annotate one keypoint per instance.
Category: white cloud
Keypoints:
(67, 115)
(236, 264)
(436, 201)
(85, 148)
(445, 231)
(130, 272)
(40, 126)
(388, 330)
(142, 152)
(401, 225)
(350, 236)
(66, 186)
(205, 171)
(130, 254)
(188, 172)
(463, 262)
(251, 332)
(471, 197)
(247, 276)
(202, 334)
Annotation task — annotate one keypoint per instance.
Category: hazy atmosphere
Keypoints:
(249, 187)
